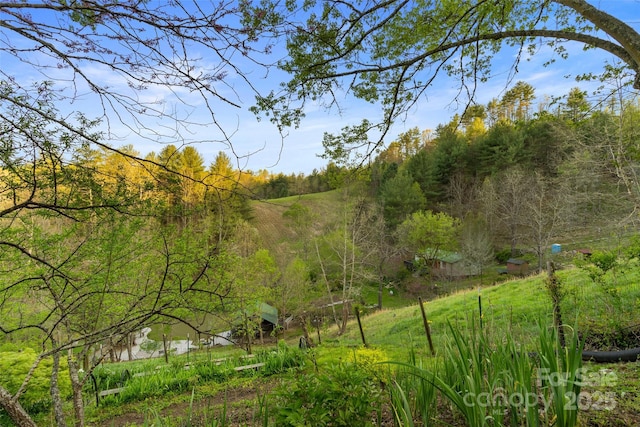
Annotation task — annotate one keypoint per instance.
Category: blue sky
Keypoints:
(301, 147)
(258, 145)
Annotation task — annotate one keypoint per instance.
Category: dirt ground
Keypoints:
(240, 405)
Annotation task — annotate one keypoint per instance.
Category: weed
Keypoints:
(342, 395)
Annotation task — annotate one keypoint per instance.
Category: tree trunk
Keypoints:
(15, 411)
(76, 387)
(129, 346)
(553, 286)
(247, 334)
(326, 281)
(112, 352)
(305, 330)
(345, 317)
(55, 392)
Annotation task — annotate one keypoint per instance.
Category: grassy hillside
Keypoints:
(514, 310)
(277, 235)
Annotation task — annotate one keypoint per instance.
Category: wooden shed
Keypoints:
(262, 313)
(448, 264)
(269, 316)
(517, 266)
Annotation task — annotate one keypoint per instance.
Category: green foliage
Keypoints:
(284, 358)
(503, 255)
(341, 395)
(600, 266)
(372, 361)
(561, 376)
(632, 250)
(421, 167)
(500, 148)
(400, 197)
(426, 232)
(14, 367)
(152, 379)
(412, 394)
(492, 380)
(604, 261)
(449, 158)
(391, 55)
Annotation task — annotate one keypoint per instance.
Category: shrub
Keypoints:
(14, 367)
(285, 357)
(371, 360)
(344, 395)
(503, 255)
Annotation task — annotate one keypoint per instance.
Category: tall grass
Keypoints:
(179, 377)
(419, 399)
(560, 374)
(489, 380)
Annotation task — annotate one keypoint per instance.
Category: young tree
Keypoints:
(427, 234)
(80, 265)
(109, 55)
(505, 197)
(225, 196)
(343, 255)
(256, 278)
(576, 107)
(476, 243)
(295, 292)
(547, 213)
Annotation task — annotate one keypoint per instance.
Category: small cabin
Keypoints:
(269, 317)
(263, 314)
(586, 253)
(517, 266)
(450, 265)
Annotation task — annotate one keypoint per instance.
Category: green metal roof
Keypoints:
(447, 256)
(268, 313)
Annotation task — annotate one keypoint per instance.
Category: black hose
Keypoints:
(630, 355)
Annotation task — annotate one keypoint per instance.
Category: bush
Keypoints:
(371, 361)
(14, 367)
(284, 358)
(342, 396)
(503, 255)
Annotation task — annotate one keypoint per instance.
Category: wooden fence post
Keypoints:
(426, 327)
(480, 306)
(357, 310)
(164, 345)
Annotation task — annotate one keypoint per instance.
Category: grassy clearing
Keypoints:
(513, 307)
(274, 232)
